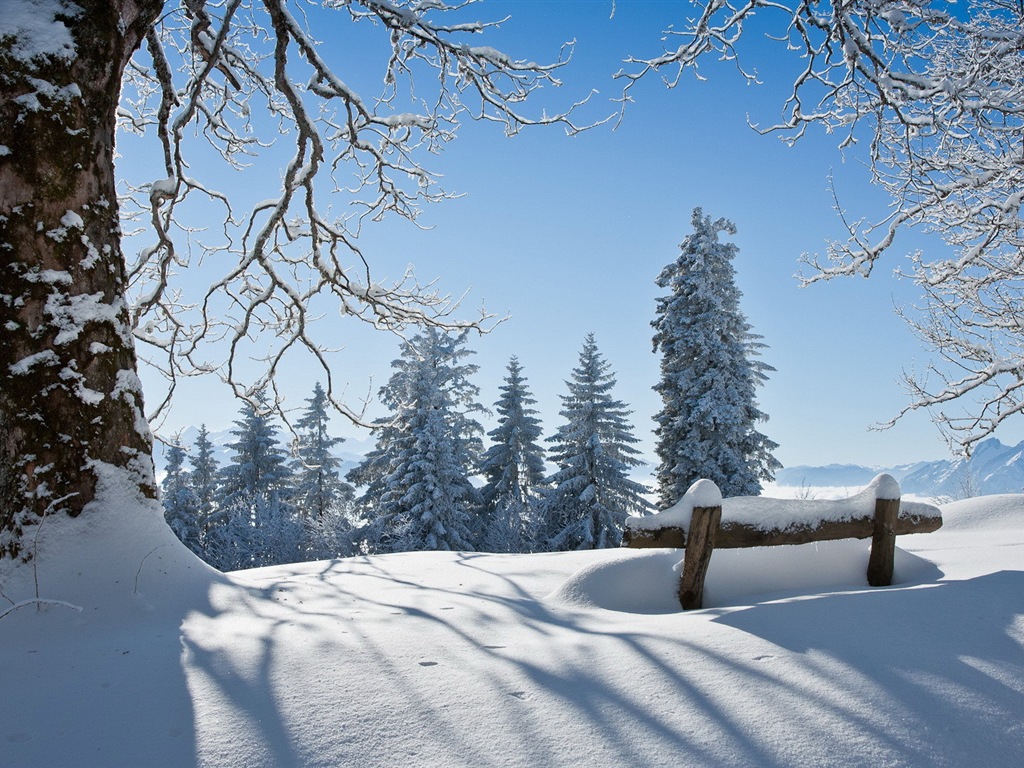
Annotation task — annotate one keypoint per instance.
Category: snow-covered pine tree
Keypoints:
(514, 468)
(430, 500)
(592, 493)
(709, 373)
(255, 524)
(418, 493)
(370, 477)
(204, 480)
(181, 507)
(323, 498)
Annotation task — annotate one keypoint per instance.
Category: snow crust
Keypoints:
(766, 514)
(467, 659)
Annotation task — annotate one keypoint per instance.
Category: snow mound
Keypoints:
(645, 580)
(457, 659)
(117, 559)
(628, 580)
(1001, 512)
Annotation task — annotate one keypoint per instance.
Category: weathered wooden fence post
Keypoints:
(700, 543)
(883, 542)
(695, 522)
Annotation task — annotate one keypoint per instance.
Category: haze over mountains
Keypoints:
(992, 468)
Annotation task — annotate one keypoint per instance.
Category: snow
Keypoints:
(35, 30)
(703, 493)
(71, 313)
(49, 276)
(464, 659)
(163, 189)
(26, 364)
(766, 513)
(53, 93)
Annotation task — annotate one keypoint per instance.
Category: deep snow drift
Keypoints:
(431, 659)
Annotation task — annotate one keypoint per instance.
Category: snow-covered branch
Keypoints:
(250, 79)
(935, 93)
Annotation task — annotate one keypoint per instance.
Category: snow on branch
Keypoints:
(249, 81)
(935, 95)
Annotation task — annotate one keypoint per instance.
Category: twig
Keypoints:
(39, 602)
(154, 549)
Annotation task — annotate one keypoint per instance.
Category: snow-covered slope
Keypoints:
(992, 468)
(574, 659)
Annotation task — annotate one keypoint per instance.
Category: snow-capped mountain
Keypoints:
(992, 468)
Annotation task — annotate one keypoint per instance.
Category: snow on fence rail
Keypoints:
(702, 521)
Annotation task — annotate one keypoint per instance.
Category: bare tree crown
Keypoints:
(249, 75)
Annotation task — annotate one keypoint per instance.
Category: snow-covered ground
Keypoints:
(440, 659)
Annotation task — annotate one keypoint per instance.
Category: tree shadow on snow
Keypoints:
(949, 653)
(447, 661)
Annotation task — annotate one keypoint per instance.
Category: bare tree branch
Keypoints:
(936, 93)
(224, 72)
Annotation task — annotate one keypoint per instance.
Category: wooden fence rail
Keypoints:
(702, 522)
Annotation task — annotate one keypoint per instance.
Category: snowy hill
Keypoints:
(993, 468)
(566, 659)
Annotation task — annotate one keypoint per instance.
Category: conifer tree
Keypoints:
(709, 372)
(203, 480)
(514, 468)
(181, 507)
(318, 484)
(418, 492)
(255, 523)
(592, 494)
(322, 497)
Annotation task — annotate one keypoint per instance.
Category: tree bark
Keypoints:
(70, 399)
(881, 562)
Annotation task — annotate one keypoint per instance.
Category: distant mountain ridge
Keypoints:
(992, 468)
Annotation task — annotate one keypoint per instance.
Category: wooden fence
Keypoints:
(696, 524)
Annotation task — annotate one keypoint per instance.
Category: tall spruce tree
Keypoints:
(514, 468)
(418, 492)
(204, 479)
(319, 488)
(592, 493)
(256, 524)
(323, 498)
(709, 373)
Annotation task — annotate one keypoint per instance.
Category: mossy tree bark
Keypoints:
(70, 399)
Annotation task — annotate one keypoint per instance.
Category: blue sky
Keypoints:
(566, 235)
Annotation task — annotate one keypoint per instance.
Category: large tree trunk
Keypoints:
(70, 400)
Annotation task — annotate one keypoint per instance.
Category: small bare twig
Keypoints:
(135, 591)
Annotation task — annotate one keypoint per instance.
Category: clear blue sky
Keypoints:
(568, 234)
